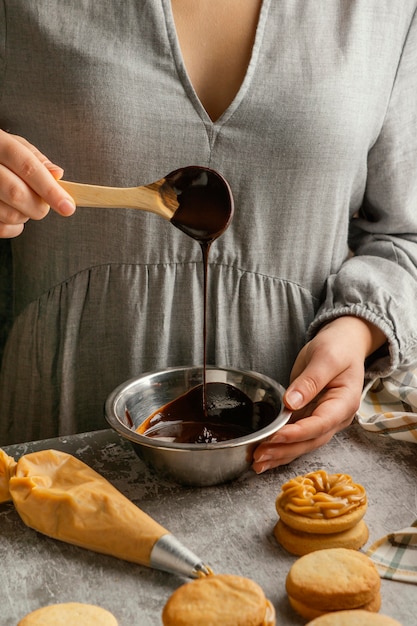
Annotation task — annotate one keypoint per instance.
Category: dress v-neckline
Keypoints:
(185, 78)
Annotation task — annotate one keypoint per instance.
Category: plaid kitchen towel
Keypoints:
(389, 406)
(395, 556)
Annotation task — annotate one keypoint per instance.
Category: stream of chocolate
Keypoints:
(209, 412)
(211, 194)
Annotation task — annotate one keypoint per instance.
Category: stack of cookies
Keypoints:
(318, 511)
(331, 580)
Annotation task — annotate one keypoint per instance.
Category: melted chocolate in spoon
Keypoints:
(205, 203)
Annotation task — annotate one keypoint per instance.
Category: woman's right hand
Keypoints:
(28, 187)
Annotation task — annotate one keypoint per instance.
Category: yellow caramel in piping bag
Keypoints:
(60, 496)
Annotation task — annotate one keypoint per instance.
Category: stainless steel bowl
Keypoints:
(193, 464)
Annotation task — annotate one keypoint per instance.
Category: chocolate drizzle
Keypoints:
(205, 211)
(215, 411)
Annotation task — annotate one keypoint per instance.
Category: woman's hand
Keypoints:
(28, 186)
(325, 391)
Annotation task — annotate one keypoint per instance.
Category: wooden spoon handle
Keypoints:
(147, 198)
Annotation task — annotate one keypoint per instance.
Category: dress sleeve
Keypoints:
(379, 281)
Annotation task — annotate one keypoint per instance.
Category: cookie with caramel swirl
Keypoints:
(321, 503)
(320, 510)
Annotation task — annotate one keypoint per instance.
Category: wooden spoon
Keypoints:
(198, 197)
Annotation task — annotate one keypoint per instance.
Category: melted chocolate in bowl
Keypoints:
(230, 413)
(215, 411)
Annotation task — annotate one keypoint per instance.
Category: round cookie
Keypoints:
(299, 543)
(309, 613)
(333, 579)
(69, 614)
(219, 599)
(357, 617)
(321, 503)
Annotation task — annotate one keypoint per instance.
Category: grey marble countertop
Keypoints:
(227, 526)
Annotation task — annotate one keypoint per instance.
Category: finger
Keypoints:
(54, 169)
(311, 382)
(283, 454)
(309, 429)
(307, 434)
(307, 385)
(11, 216)
(17, 199)
(335, 407)
(276, 453)
(8, 232)
(33, 168)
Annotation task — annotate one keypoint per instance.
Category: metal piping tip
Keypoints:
(170, 555)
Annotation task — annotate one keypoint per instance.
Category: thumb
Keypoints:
(305, 387)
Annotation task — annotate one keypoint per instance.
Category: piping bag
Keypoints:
(59, 496)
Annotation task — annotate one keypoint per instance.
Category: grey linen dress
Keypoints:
(319, 147)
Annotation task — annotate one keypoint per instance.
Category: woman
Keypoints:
(309, 111)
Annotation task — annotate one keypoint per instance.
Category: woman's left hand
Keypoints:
(325, 391)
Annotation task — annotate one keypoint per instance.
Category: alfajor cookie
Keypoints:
(219, 599)
(332, 580)
(69, 614)
(356, 617)
(320, 510)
